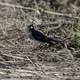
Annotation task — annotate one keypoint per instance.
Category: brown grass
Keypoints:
(19, 60)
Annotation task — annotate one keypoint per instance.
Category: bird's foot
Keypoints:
(37, 47)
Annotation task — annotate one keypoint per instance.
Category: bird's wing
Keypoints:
(39, 35)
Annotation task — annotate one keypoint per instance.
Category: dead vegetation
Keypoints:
(18, 58)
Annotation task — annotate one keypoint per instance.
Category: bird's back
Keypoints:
(38, 36)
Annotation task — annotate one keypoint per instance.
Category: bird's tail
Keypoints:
(53, 41)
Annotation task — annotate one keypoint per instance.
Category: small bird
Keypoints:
(39, 36)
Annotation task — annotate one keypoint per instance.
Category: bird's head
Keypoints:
(31, 27)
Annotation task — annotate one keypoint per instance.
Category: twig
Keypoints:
(46, 11)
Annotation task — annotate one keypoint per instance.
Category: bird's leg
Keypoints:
(37, 47)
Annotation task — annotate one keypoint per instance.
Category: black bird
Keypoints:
(39, 36)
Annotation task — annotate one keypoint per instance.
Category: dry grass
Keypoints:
(18, 58)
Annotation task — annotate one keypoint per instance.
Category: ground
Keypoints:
(20, 60)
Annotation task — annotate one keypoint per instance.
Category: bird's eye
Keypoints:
(31, 27)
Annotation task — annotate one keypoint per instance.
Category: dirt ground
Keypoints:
(23, 59)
